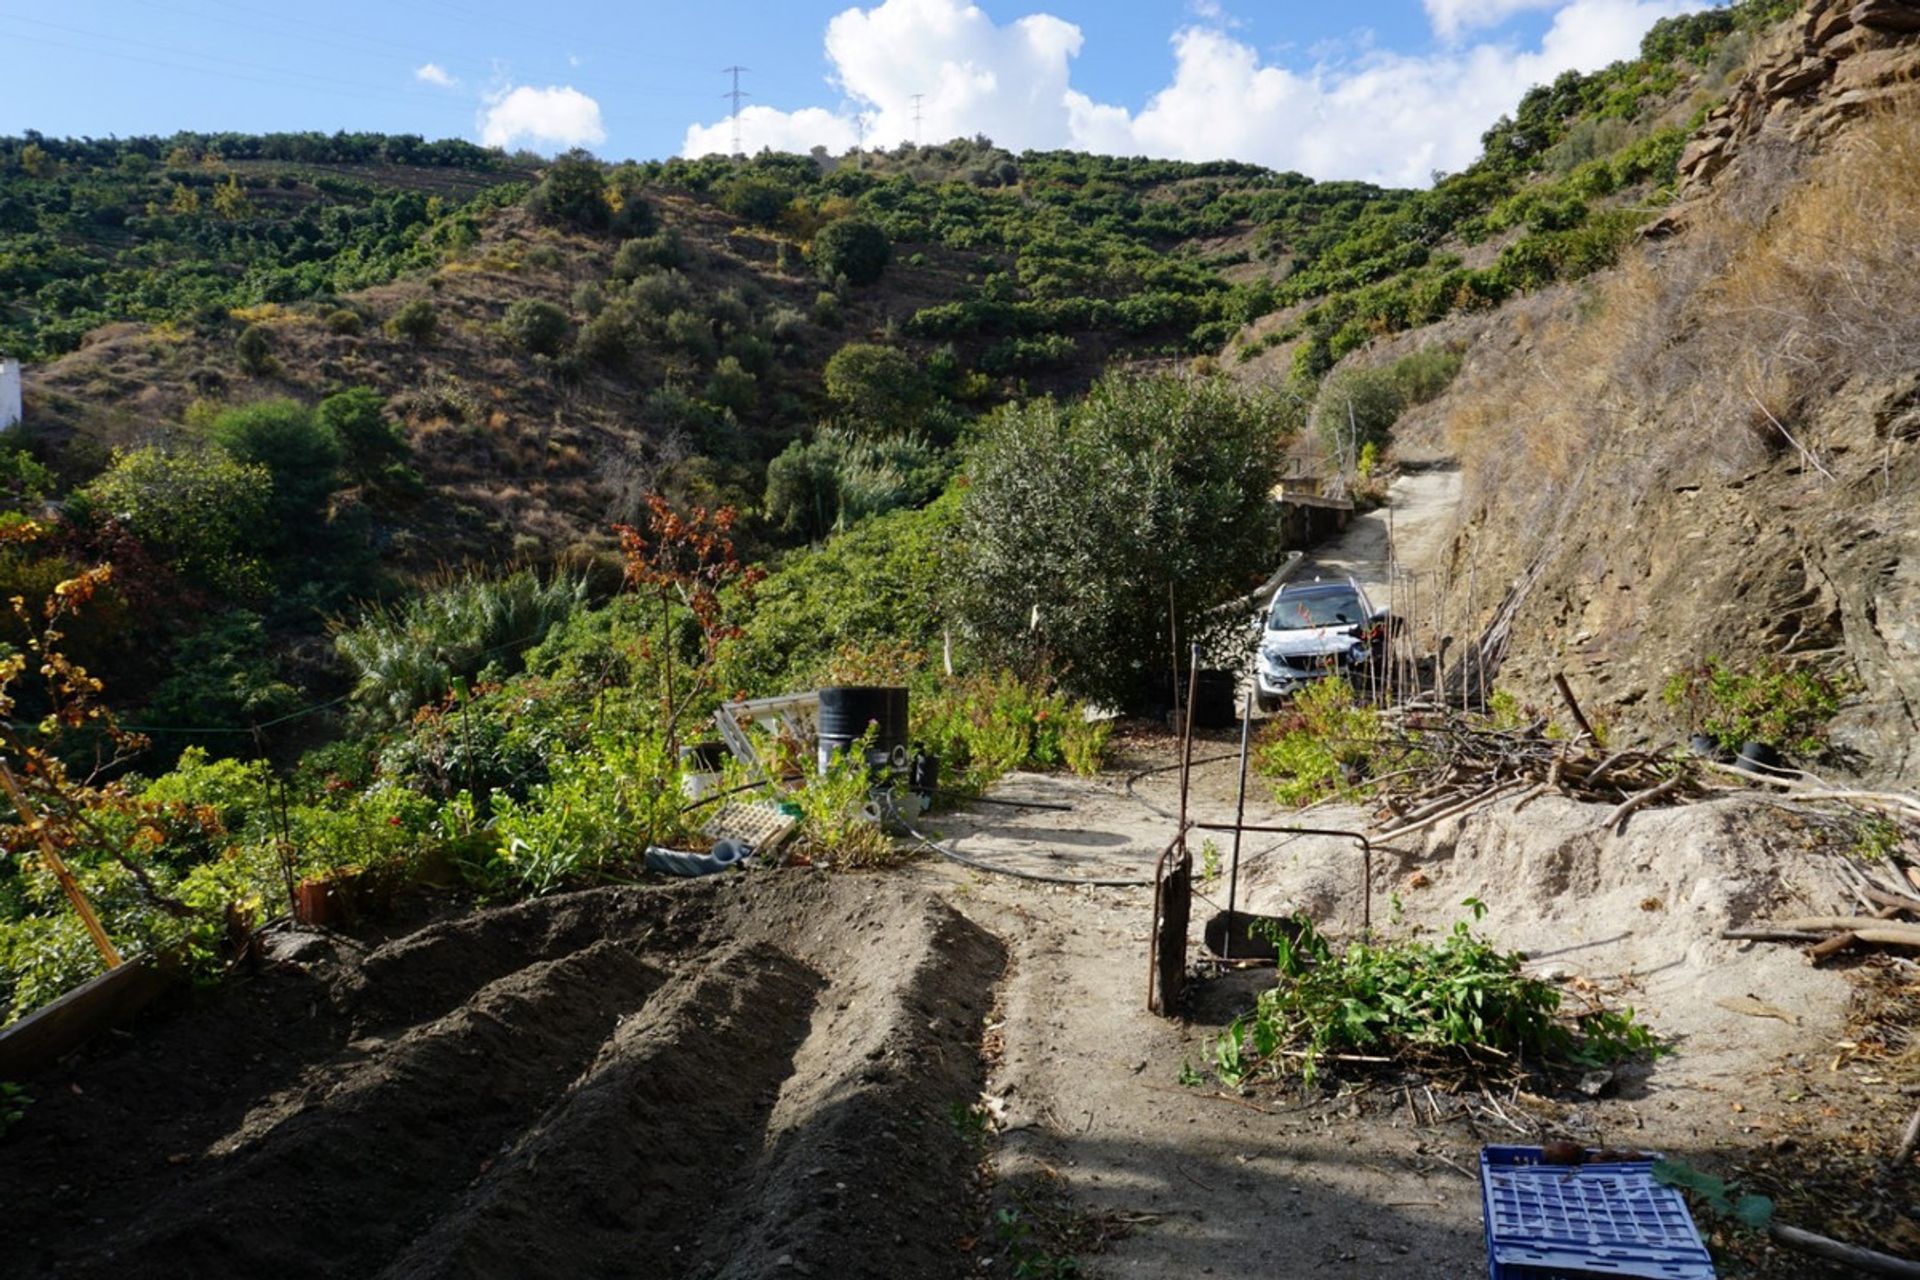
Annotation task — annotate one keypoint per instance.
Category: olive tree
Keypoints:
(1083, 525)
(851, 247)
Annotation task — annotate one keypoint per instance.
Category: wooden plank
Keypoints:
(37, 1040)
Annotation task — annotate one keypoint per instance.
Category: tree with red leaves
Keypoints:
(688, 562)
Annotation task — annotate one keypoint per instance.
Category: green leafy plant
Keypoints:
(1031, 1260)
(984, 726)
(835, 824)
(1460, 996)
(1716, 1193)
(972, 1123)
(1323, 744)
(1209, 861)
(1779, 704)
(14, 1101)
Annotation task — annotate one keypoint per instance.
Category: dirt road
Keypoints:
(1409, 532)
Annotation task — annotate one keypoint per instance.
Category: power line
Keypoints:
(280, 75)
(734, 95)
(916, 117)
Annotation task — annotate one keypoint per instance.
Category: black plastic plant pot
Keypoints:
(1213, 699)
(705, 757)
(1758, 757)
(1704, 746)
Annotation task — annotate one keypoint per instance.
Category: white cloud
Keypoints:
(1385, 116)
(1451, 17)
(1214, 12)
(434, 74)
(555, 117)
(971, 76)
(762, 127)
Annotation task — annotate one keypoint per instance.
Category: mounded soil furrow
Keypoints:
(736, 1079)
(345, 1174)
(623, 1171)
(423, 974)
(865, 1172)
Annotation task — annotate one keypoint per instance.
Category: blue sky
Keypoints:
(1388, 89)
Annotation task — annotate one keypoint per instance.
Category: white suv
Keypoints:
(1315, 630)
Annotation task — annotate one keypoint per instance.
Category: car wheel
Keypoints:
(1266, 702)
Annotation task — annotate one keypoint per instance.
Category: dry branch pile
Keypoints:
(1463, 764)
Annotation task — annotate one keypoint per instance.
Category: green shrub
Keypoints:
(853, 248)
(1461, 1000)
(1322, 745)
(877, 385)
(636, 257)
(835, 826)
(572, 193)
(985, 726)
(204, 512)
(417, 322)
(370, 441)
(755, 199)
(344, 323)
(1083, 525)
(254, 346)
(692, 333)
(877, 583)
(1785, 706)
(537, 325)
(298, 449)
(601, 807)
(732, 387)
(221, 676)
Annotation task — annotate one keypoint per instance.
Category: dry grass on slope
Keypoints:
(1717, 348)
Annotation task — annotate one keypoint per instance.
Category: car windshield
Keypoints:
(1315, 609)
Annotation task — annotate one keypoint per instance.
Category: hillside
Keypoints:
(1010, 275)
(1707, 455)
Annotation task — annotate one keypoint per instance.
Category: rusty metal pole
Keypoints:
(58, 866)
(1239, 819)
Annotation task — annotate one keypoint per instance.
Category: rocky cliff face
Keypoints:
(1716, 450)
(1836, 62)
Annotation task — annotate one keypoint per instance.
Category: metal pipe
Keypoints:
(1186, 739)
(1239, 824)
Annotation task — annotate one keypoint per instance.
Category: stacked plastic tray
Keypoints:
(1584, 1222)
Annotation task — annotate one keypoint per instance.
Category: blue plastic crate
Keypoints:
(1584, 1222)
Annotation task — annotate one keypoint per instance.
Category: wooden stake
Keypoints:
(1579, 717)
(1909, 1140)
(1868, 1261)
(68, 884)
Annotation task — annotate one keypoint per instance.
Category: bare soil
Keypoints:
(709, 1080)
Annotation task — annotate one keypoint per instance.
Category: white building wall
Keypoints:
(9, 393)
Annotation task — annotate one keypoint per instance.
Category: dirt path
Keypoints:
(1102, 1140)
(1414, 524)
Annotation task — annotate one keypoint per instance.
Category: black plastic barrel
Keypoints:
(846, 713)
(1213, 699)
